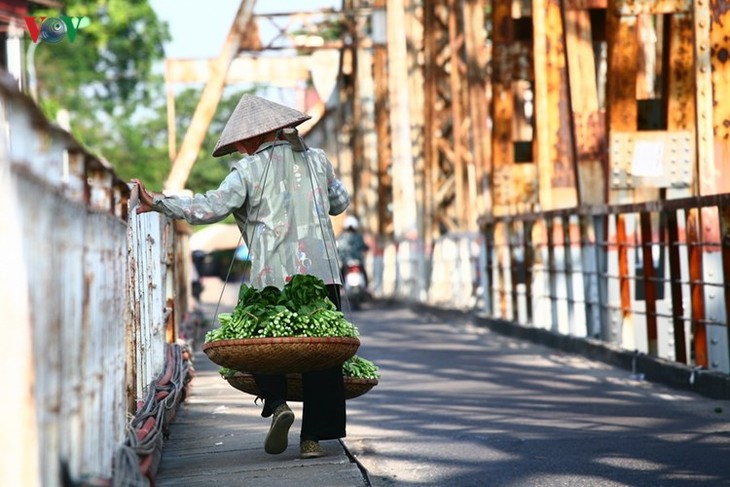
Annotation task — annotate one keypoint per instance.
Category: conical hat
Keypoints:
(255, 116)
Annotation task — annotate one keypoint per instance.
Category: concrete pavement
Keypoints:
(461, 405)
(218, 434)
(217, 438)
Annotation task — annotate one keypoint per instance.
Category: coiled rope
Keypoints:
(137, 460)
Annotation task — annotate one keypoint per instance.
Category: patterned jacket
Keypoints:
(282, 201)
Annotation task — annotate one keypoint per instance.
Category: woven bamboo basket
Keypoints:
(282, 355)
(354, 387)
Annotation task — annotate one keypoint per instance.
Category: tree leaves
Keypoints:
(109, 80)
(109, 65)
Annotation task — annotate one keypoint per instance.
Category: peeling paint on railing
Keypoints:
(84, 282)
(147, 254)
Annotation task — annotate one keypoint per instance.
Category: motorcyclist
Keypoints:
(351, 246)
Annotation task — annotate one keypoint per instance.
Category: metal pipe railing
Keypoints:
(650, 276)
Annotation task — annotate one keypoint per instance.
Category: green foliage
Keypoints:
(208, 171)
(108, 67)
(360, 368)
(139, 147)
(327, 29)
(103, 78)
(356, 367)
(117, 102)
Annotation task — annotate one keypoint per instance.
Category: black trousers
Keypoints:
(324, 395)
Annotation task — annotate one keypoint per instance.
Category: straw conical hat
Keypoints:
(255, 116)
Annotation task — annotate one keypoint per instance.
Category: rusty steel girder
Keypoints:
(514, 186)
(639, 84)
(440, 153)
(457, 168)
(719, 53)
(554, 138)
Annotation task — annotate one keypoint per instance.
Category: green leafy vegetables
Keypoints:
(301, 309)
(360, 368)
(356, 367)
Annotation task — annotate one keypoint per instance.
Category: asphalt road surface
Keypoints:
(460, 405)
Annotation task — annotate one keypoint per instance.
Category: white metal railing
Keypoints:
(647, 277)
(149, 236)
(564, 271)
(445, 275)
(87, 308)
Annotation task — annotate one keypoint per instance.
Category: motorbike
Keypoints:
(354, 285)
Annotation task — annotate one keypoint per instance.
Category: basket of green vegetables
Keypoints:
(273, 331)
(359, 375)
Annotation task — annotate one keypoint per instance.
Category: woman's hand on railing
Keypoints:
(145, 198)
